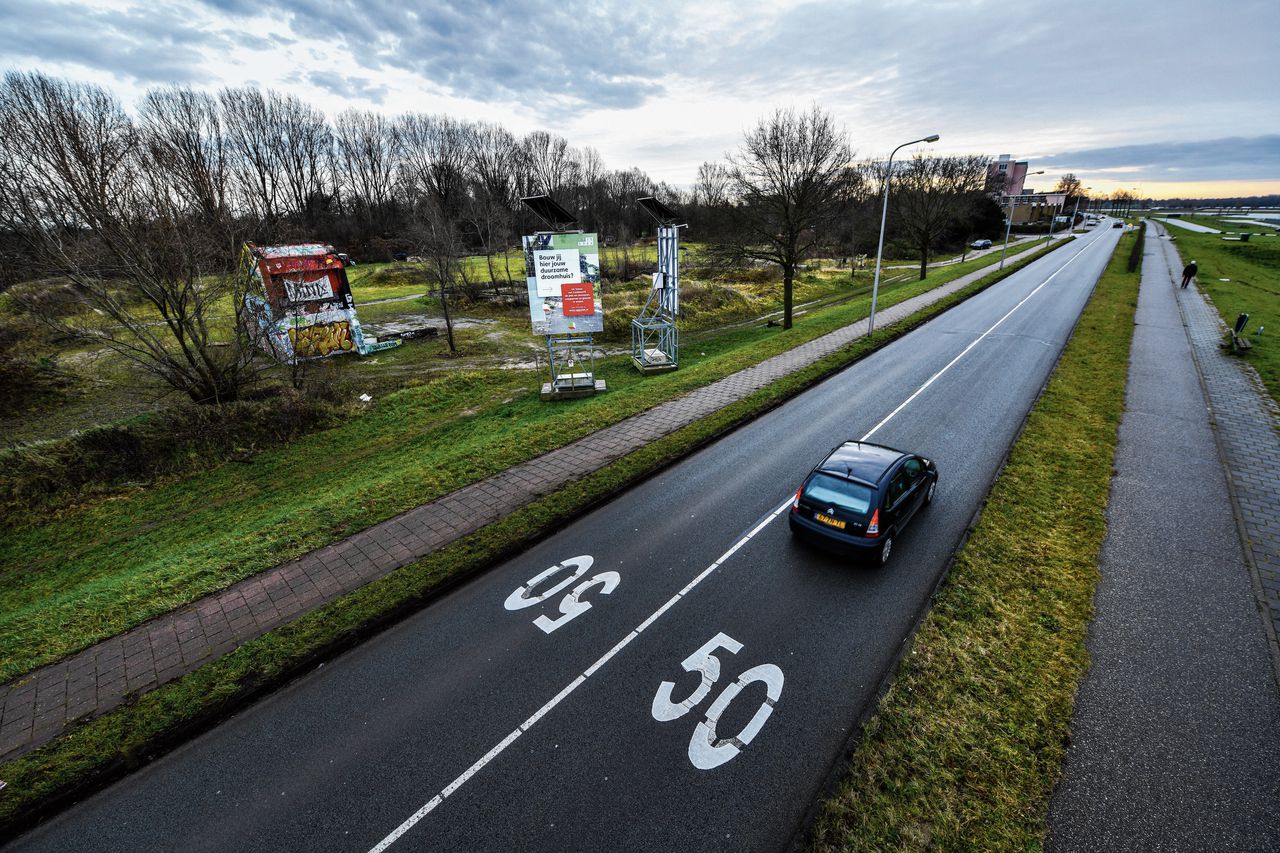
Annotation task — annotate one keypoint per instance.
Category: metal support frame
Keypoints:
(655, 341)
(573, 367)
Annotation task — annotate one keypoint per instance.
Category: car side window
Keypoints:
(898, 486)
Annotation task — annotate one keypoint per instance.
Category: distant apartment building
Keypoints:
(1006, 183)
(1012, 172)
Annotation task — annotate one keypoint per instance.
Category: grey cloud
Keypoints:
(500, 51)
(1255, 157)
(347, 87)
(153, 46)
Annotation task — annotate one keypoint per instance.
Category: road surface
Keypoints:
(509, 715)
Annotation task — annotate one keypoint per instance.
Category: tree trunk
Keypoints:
(924, 261)
(448, 321)
(506, 260)
(788, 279)
(493, 279)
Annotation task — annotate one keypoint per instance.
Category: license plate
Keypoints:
(834, 522)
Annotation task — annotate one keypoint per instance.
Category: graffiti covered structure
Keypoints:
(305, 309)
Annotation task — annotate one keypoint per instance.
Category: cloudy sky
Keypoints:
(1172, 97)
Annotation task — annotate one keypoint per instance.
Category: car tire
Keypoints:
(886, 549)
(933, 487)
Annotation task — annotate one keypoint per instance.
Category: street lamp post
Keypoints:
(1053, 218)
(884, 210)
(1008, 222)
(1077, 210)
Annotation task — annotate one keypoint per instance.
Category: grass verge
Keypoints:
(968, 740)
(100, 750)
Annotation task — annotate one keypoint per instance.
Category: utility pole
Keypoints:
(1008, 223)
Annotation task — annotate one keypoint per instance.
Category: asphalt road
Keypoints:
(479, 723)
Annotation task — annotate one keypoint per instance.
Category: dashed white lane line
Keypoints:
(466, 775)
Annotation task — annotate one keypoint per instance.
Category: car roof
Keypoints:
(860, 460)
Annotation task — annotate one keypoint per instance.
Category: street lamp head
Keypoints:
(934, 138)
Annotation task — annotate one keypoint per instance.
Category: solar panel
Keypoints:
(545, 208)
(659, 211)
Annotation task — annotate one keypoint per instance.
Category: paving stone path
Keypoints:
(1247, 421)
(40, 705)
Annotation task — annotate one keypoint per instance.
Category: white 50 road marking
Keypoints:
(572, 605)
(523, 594)
(706, 750)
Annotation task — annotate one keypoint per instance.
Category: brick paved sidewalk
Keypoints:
(1247, 422)
(40, 705)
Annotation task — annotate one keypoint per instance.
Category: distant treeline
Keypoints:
(1238, 201)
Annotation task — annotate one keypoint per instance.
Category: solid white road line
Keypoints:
(573, 685)
(453, 786)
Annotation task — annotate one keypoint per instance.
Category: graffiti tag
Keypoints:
(322, 339)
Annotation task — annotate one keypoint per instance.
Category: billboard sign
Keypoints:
(563, 276)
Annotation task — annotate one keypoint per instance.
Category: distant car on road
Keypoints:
(1117, 224)
(980, 244)
(858, 499)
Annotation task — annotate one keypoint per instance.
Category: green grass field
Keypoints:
(1252, 286)
(488, 334)
(93, 570)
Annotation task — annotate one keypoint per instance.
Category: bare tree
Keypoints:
(786, 183)
(932, 193)
(1122, 202)
(367, 157)
(435, 155)
(711, 188)
(252, 132)
(184, 129)
(438, 241)
(102, 207)
(433, 159)
(303, 138)
(493, 164)
(1070, 185)
(549, 160)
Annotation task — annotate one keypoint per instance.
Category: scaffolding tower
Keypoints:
(655, 341)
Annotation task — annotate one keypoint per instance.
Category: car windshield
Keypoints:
(833, 491)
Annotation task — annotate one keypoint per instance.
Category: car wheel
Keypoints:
(885, 549)
(933, 487)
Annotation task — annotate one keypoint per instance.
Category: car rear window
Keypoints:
(833, 491)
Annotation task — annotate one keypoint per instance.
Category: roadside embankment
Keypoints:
(968, 740)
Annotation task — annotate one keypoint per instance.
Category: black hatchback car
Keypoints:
(858, 499)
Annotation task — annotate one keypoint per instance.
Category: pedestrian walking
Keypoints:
(1188, 273)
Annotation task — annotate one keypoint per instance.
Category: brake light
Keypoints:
(873, 526)
(795, 502)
